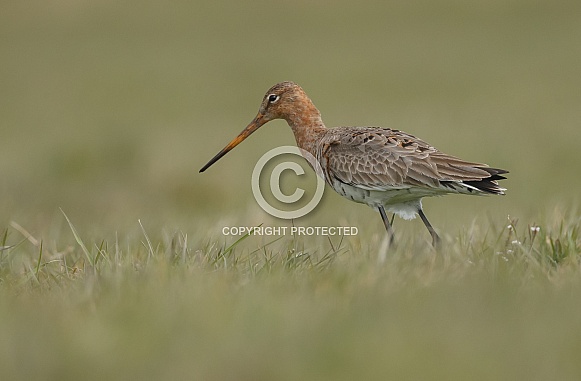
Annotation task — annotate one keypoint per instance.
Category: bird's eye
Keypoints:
(272, 98)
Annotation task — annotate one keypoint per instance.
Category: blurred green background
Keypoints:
(110, 108)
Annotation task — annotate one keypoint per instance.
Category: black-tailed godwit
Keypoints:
(387, 169)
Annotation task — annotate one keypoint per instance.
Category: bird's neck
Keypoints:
(307, 126)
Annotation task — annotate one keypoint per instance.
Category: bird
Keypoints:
(387, 169)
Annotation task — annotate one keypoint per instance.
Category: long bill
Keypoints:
(258, 121)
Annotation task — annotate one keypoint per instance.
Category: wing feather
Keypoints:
(381, 158)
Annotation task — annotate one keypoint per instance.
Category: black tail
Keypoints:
(489, 184)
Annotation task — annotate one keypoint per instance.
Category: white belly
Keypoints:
(405, 202)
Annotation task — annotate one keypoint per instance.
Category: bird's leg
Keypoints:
(387, 224)
(435, 237)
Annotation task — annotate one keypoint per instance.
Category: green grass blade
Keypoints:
(149, 245)
(39, 260)
(78, 238)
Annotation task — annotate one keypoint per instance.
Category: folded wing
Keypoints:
(382, 159)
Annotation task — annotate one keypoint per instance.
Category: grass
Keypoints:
(500, 303)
